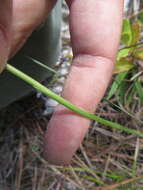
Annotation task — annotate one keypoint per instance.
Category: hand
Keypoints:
(5, 30)
(95, 30)
(18, 19)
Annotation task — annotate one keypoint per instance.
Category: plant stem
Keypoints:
(39, 87)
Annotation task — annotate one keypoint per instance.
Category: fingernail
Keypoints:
(3, 49)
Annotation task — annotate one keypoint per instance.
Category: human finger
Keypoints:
(95, 30)
(27, 15)
(5, 30)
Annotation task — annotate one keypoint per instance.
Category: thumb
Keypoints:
(5, 30)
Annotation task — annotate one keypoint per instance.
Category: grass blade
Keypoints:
(39, 87)
(42, 65)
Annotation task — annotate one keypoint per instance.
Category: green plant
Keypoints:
(35, 84)
(127, 68)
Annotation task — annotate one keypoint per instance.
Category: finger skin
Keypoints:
(5, 30)
(27, 15)
(95, 30)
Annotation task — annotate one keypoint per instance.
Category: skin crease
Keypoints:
(92, 22)
(95, 32)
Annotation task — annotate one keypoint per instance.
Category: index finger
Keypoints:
(95, 30)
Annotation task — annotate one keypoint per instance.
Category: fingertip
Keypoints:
(64, 135)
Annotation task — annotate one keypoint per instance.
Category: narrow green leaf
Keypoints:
(139, 89)
(120, 107)
(39, 87)
(42, 65)
(117, 82)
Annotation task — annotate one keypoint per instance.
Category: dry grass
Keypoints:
(106, 157)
